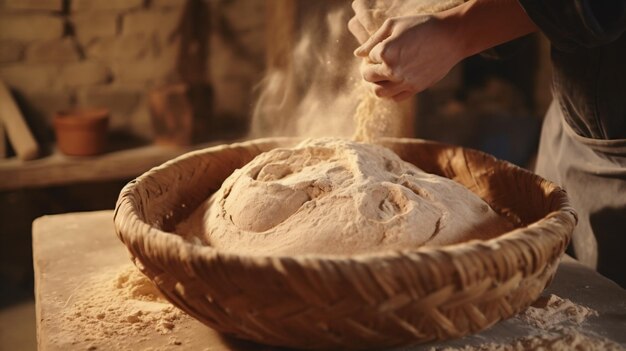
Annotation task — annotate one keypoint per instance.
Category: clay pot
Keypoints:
(81, 132)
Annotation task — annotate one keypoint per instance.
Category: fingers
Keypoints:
(357, 29)
(381, 34)
(384, 82)
(382, 52)
(389, 89)
(363, 13)
(403, 95)
(377, 72)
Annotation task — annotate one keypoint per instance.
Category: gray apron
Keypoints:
(593, 172)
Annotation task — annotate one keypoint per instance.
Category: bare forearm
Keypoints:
(483, 24)
(408, 54)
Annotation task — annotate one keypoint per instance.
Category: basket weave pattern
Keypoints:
(358, 302)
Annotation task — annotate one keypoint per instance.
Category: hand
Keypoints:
(369, 15)
(408, 54)
(362, 25)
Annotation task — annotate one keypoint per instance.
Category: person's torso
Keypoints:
(590, 85)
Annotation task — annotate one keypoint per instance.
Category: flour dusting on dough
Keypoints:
(334, 196)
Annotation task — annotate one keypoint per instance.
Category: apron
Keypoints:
(593, 172)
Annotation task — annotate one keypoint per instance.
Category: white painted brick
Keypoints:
(11, 51)
(129, 47)
(117, 5)
(58, 50)
(84, 73)
(88, 26)
(29, 77)
(33, 5)
(30, 27)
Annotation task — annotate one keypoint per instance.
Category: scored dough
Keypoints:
(334, 196)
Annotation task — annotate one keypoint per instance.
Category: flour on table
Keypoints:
(557, 339)
(562, 339)
(334, 196)
(554, 324)
(552, 310)
(119, 302)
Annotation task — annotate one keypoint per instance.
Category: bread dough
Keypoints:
(334, 196)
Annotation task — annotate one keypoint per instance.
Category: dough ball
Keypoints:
(340, 197)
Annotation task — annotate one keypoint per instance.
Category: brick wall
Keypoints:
(56, 54)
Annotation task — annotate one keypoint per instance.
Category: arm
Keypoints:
(484, 24)
(408, 54)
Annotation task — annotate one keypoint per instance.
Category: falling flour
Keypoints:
(334, 196)
(117, 303)
(376, 117)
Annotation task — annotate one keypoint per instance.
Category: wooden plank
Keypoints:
(59, 169)
(3, 141)
(69, 249)
(17, 130)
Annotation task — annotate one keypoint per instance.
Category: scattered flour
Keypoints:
(554, 324)
(556, 339)
(334, 196)
(119, 302)
(549, 311)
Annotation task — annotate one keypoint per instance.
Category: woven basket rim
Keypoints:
(565, 214)
(330, 301)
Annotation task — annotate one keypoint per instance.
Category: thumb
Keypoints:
(381, 34)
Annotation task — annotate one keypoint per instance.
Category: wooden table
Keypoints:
(72, 247)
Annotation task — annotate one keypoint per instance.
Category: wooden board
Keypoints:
(17, 130)
(59, 169)
(70, 248)
(3, 141)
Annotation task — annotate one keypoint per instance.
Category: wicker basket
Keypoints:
(359, 302)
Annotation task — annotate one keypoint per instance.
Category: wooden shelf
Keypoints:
(59, 169)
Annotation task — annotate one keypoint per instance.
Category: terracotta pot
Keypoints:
(81, 132)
